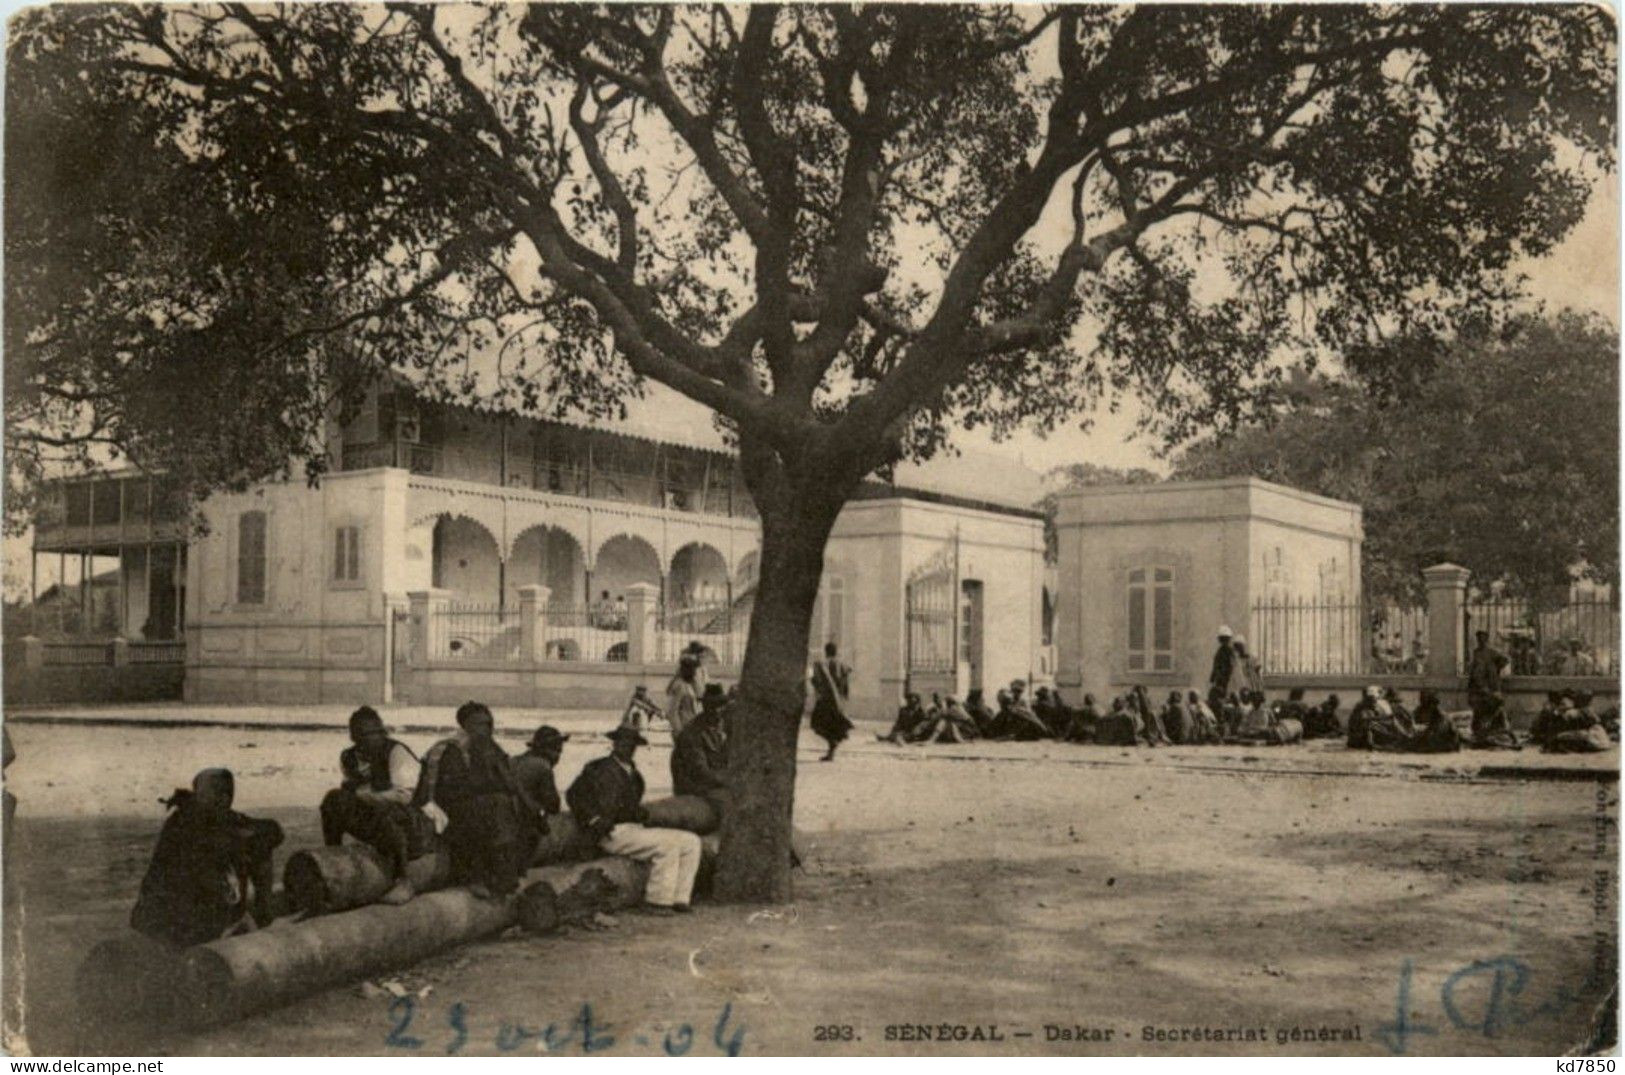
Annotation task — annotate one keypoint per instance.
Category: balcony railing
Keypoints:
(569, 478)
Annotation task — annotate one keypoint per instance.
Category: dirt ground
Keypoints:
(1143, 902)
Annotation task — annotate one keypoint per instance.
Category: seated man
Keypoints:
(1230, 714)
(1177, 720)
(1203, 720)
(1581, 732)
(533, 770)
(1047, 707)
(1121, 726)
(1016, 719)
(1294, 708)
(1324, 721)
(1435, 733)
(1257, 725)
(374, 802)
(699, 757)
(947, 722)
(1377, 723)
(211, 869)
(911, 716)
(1551, 719)
(1084, 722)
(607, 800)
(1151, 728)
(490, 823)
(980, 712)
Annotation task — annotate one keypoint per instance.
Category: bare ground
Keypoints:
(1007, 885)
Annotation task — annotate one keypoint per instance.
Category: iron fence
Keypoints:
(91, 654)
(1313, 637)
(719, 628)
(583, 633)
(475, 632)
(929, 627)
(173, 652)
(1572, 638)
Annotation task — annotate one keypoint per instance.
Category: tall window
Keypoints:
(251, 558)
(1151, 619)
(347, 554)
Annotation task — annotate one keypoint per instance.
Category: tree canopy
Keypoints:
(1499, 452)
(843, 229)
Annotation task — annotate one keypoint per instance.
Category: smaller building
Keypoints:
(1148, 573)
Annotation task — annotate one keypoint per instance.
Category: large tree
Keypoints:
(844, 229)
(1499, 452)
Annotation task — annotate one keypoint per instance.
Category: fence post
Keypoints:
(121, 651)
(33, 651)
(427, 631)
(640, 622)
(1447, 597)
(532, 607)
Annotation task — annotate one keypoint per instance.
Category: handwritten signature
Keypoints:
(1487, 996)
(583, 1030)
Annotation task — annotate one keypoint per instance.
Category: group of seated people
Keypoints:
(211, 872)
(1378, 722)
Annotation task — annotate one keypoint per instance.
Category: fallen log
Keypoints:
(128, 979)
(229, 979)
(323, 880)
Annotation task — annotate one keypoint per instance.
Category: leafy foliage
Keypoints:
(1083, 476)
(1499, 452)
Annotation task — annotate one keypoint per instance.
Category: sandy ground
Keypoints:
(1022, 887)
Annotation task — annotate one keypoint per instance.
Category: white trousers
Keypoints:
(672, 854)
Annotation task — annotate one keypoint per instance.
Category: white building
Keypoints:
(454, 553)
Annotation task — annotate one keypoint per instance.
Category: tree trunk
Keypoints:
(754, 863)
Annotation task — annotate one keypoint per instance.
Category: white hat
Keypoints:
(1224, 632)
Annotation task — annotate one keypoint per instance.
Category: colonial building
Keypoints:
(454, 553)
(1147, 574)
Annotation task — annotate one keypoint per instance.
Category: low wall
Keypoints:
(93, 683)
(555, 685)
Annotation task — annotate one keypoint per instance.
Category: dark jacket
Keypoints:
(534, 775)
(1224, 659)
(360, 771)
(699, 759)
(605, 795)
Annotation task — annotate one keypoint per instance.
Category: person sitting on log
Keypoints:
(490, 822)
(1084, 722)
(607, 800)
(1581, 731)
(211, 873)
(699, 758)
(1324, 721)
(373, 804)
(911, 716)
(533, 770)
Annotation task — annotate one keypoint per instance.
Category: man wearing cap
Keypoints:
(491, 823)
(211, 873)
(607, 800)
(699, 758)
(373, 803)
(533, 770)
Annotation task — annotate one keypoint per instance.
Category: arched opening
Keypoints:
(466, 561)
(699, 576)
(622, 561)
(551, 557)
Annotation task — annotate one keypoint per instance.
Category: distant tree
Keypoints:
(1083, 476)
(821, 222)
(1499, 452)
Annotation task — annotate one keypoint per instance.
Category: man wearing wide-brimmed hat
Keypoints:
(607, 801)
(699, 757)
(533, 770)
